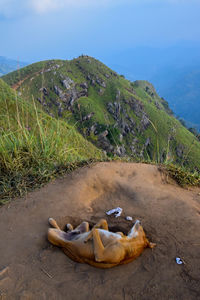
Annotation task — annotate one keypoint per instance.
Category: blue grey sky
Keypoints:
(33, 30)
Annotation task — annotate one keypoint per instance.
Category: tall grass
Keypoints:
(34, 148)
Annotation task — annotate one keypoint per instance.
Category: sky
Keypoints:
(33, 30)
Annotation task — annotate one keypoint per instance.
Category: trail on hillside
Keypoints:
(20, 82)
(31, 268)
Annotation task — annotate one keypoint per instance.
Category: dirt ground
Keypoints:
(31, 268)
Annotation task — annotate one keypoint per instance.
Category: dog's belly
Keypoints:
(105, 234)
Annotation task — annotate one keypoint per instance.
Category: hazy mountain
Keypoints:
(174, 71)
(8, 65)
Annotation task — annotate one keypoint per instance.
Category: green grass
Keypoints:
(182, 176)
(35, 147)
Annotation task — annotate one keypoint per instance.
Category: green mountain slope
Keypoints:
(118, 116)
(34, 147)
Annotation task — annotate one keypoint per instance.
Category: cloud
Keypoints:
(43, 6)
(12, 8)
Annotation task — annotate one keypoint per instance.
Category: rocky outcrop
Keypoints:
(84, 85)
(144, 123)
(100, 82)
(67, 82)
(104, 143)
(69, 96)
(180, 150)
(88, 117)
(158, 106)
(120, 151)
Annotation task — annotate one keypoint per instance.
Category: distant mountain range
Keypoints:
(8, 65)
(182, 91)
(174, 71)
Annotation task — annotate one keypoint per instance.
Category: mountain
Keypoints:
(119, 116)
(8, 65)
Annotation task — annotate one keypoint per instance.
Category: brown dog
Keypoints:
(99, 247)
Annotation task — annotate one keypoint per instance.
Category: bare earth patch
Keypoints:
(30, 268)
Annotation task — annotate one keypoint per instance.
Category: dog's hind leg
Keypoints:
(69, 227)
(53, 223)
(112, 253)
(83, 227)
(101, 224)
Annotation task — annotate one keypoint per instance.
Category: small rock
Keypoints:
(84, 85)
(128, 218)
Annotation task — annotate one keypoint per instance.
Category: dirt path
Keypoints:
(20, 82)
(169, 214)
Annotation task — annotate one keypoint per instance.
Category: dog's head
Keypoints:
(138, 232)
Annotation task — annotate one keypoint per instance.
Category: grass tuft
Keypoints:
(34, 147)
(182, 176)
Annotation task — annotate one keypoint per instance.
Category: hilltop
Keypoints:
(121, 117)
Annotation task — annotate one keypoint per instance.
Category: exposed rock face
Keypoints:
(148, 141)
(84, 85)
(58, 91)
(67, 82)
(180, 150)
(137, 106)
(104, 143)
(101, 91)
(158, 106)
(71, 95)
(144, 122)
(88, 117)
(114, 109)
(45, 91)
(120, 150)
(93, 128)
(100, 82)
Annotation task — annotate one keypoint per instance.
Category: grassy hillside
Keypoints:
(121, 117)
(34, 147)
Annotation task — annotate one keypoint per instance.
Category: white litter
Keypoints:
(128, 218)
(117, 211)
(179, 261)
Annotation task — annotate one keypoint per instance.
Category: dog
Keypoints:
(99, 247)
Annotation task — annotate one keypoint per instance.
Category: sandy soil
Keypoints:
(30, 268)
